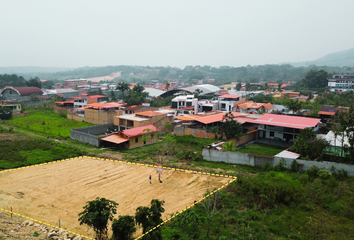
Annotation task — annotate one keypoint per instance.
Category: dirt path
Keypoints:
(60, 190)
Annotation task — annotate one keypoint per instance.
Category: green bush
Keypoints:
(341, 174)
(313, 171)
(271, 189)
(280, 165)
(324, 174)
(294, 166)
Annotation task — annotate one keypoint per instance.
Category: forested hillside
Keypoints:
(222, 75)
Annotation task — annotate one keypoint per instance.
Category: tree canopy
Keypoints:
(34, 82)
(96, 215)
(150, 217)
(232, 128)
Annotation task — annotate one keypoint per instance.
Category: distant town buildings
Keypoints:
(341, 82)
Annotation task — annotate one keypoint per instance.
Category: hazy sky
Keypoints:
(76, 33)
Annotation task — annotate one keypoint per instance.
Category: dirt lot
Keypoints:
(60, 190)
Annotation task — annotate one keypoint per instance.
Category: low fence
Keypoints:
(23, 114)
(260, 160)
(89, 134)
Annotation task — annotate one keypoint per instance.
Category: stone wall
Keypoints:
(88, 134)
(260, 161)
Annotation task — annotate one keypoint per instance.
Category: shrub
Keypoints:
(324, 174)
(280, 165)
(35, 234)
(313, 171)
(294, 166)
(271, 189)
(341, 174)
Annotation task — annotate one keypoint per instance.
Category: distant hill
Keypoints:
(338, 59)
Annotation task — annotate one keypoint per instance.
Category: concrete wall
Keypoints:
(260, 161)
(88, 134)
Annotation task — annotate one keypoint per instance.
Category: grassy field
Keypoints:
(263, 149)
(18, 151)
(47, 124)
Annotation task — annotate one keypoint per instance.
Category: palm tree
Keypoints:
(122, 86)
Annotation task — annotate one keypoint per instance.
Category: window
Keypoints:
(152, 136)
(223, 105)
(10, 91)
(136, 140)
(272, 134)
(144, 142)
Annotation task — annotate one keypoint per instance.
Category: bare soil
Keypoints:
(58, 191)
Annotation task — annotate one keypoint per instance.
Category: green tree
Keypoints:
(167, 85)
(48, 84)
(5, 113)
(293, 105)
(112, 95)
(150, 217)
(248, 86)
(34, 82)
(123, 87)
(315, 79)
(136, 96)
(238, 86)
(96, 215)
(232, 128)
(123, 228)
(280, 82)
(307, 145)
(197, 92)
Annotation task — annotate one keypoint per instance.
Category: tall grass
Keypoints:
(47, 124)
(19, 153)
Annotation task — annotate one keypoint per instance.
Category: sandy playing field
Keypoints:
(60, 190)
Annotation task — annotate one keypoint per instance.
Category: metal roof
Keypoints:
(153, 92)
(24, 91)
(206, 88)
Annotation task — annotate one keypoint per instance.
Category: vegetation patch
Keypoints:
(47, 124)
(18, 151)
(262, 149)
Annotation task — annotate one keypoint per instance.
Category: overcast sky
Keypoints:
(77, 33)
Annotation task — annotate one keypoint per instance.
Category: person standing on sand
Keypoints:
(150, 179)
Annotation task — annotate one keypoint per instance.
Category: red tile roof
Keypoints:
(286, 121)
(139, 131)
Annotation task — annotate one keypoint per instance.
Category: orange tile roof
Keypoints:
(189, 117)
(115, 138)
(251, 104)
(104, 105)
(327, 113)
(211, 119)
(149, 114)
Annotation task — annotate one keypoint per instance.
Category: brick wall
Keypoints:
(133, 144)
(95, 116)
